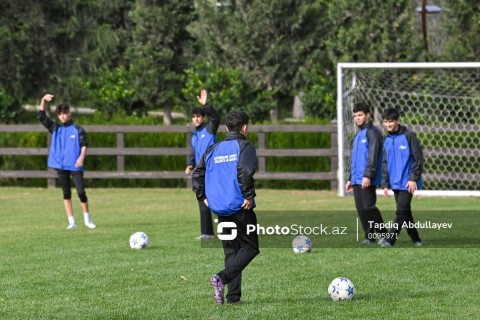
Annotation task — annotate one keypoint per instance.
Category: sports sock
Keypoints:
(86, 217)
(71, 220)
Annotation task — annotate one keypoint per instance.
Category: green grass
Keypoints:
(48, 272)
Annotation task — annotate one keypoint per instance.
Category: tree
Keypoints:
(269, 41)
(227, 91)
(462, 28)
(158, 53)
(372, 31)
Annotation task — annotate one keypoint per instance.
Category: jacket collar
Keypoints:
(401, 130)
(234, 136)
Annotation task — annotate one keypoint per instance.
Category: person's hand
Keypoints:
(365, 183)
(188, 169)
(79, 162)
(48, 97)
(203, 97)
(411, 186)
(385, 192)
(247, 204)
(348, 186)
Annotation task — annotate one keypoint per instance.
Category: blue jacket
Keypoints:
(367, 156)
(204, 136)
(67, 142)
(224, 175)
(403, 160)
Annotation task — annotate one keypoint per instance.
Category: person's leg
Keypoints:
(206, 222)
(238, 252)
(64, 181)
(79, 181)
(372, 213)
(401, 214)
(358, 197)
(404, 202)
(230, 249)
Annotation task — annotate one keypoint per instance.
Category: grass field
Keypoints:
(48, 272)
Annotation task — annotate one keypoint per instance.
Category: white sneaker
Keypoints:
(71, 226)
(205, 237)
(367, 241)
(386, 244)
(381, 241)
(90, 225)
(417, 244)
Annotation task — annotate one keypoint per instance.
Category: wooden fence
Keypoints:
(120, 151)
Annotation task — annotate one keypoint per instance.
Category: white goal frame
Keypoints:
(341, 96)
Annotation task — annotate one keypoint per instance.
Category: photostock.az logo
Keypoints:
(227, 225)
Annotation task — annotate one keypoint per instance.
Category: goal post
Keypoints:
(440, 102)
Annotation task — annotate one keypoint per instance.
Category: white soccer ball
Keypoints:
(138, 240)
(341, 289)
(301, 244)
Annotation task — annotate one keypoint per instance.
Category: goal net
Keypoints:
(440, 102)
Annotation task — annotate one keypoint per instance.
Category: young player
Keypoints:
(402, 170)
(66, 156)
(366, 173)
(223, 179)
(202, 138)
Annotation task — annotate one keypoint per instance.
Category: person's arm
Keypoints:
(190, 162)
(211, 112)
(385, 177)
(82, 139)
(417, 155)
(42, 115)
(374, 148)
(81, 158)
(198, 176)
(246, 167)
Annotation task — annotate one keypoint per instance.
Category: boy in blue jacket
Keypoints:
(366, 174)
(402, 170)
(223, 179)
(203, 137)
(66, 156)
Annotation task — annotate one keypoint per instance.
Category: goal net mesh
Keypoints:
(441, 105)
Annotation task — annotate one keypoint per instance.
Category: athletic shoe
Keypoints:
(90, 225)
(71, 226)
(205, 237)
(417, 244)
(381, 241)
(386, 244)
(367, 241)
(218, 287)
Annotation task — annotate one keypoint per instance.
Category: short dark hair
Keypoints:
(390, 114)
(63, 108)
(361, 107)
(235, 120)
(198, 111)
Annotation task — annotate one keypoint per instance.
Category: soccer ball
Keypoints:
(341, 289)
(301, 244)
(138, 240)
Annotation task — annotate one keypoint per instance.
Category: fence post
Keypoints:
(50, 181)
(334, 158)
(261, 146)
(188, 136)
(120, 158)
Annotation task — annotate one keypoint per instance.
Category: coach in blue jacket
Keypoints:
(366, 173)
(223, 179)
